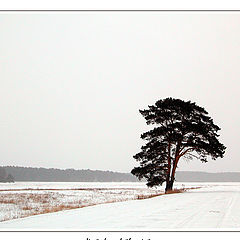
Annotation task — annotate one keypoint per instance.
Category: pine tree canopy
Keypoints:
(182, 130)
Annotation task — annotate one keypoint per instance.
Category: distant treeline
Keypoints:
(68, 175)
(188, 176)
(10, 173)
(5, 176)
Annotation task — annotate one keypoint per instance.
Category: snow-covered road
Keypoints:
(210, 207)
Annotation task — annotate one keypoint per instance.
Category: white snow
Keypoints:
(214, 206)
(70, 185)
(25, 199)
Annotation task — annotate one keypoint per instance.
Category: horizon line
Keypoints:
(77, 169)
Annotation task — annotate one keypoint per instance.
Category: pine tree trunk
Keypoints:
(169, 185)
(171, 179)
(177, 157)
(169, 168)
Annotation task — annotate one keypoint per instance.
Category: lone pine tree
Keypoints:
(183, 130)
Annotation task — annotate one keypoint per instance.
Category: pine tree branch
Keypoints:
(192, 155)
(189, 149)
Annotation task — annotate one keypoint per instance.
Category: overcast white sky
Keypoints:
(72, 83)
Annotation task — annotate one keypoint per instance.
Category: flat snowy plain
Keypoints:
(214, 206)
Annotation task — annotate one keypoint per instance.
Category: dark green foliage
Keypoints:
(183, 129)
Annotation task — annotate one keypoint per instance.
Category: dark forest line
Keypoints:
(72, 175)
(67, 175)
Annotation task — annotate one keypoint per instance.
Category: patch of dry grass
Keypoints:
(181, 190)
(7, 201)
(61, 207)
(142, 196)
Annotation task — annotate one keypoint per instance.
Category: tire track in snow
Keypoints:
(227, 214)
(213, 204)
(193, 216)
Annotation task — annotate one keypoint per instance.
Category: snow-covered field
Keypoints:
(214, 206)
(24, 199)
